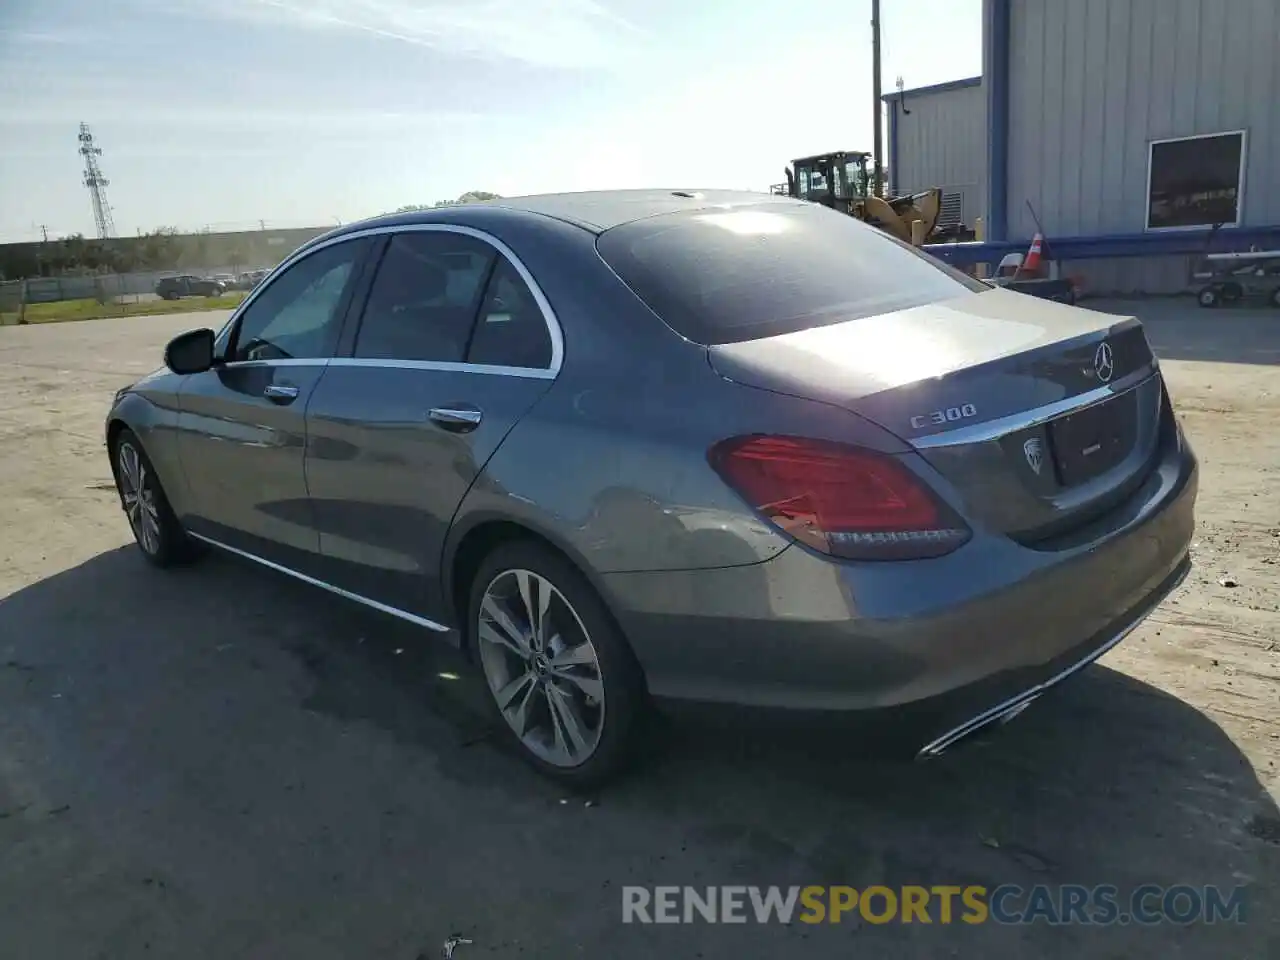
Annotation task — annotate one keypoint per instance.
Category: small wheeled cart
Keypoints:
(1234, 277)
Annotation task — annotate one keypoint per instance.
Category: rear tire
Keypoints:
(570, 694)
(1208, 297)
(155, 527)
(1275, 297)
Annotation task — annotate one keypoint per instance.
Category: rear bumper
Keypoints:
(1006, 702)
(950, 640)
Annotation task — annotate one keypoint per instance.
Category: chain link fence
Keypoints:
(85, 296)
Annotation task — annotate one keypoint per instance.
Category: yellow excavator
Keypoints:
(841, 180)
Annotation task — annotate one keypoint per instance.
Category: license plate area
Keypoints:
(1089, 442)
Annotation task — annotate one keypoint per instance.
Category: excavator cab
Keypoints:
(837, 180)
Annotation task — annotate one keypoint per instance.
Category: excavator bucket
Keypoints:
(880, 214)
(896, 214)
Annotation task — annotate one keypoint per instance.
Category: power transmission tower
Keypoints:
(97, 184)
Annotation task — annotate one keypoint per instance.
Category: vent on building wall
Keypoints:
(952, 210)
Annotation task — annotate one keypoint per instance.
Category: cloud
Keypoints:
(566, 34)
(39, 36)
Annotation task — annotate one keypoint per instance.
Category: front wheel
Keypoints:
(1275, 297)
(559, 673)
(1208, 297)
(155, 527)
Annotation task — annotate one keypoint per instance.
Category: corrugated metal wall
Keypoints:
(1094, 81)
(942, 142)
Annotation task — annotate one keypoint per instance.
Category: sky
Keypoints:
(224, 113)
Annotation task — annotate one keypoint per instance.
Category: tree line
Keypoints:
(471, 196)
(159, 249)
(164, 248)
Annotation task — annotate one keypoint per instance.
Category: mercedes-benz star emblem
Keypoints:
(1103, 363)
(1033, 450)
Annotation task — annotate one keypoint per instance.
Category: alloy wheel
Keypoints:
(541, 667)
(138, 493)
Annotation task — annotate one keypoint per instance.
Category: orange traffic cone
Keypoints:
(1031, 264)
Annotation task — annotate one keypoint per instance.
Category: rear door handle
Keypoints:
(280, 392)
(458, 417)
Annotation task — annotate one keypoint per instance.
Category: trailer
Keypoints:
(1011, 275)
(1221, 278)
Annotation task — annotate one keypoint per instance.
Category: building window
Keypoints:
(1195, 181)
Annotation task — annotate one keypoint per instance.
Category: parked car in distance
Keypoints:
(637, 447)
(174, 288)
(250, 279)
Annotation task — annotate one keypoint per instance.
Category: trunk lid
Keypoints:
(1040, 415)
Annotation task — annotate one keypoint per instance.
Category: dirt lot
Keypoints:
(220, 763)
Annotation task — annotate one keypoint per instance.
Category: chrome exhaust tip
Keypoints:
(998, 715)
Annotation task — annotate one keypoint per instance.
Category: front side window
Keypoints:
(424, 298)
(1195, 182)
(297, 317)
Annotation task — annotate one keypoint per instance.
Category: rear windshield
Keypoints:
(722, 276)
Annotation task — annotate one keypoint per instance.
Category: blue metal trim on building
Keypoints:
(894, 182)
(997, 72)
(933, 88)
(1184, 242)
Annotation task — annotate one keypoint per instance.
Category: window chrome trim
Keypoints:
(282, 362)
(994, 429)
(345, 594)
(549, 318)
(438, 366)
(444, 366)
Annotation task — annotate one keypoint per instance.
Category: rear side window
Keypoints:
(742, 273)
(424, 297)
(511, 331)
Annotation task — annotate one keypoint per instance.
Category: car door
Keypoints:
(454, 345)
(242, 433)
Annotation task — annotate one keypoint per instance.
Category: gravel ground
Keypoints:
(221, 763)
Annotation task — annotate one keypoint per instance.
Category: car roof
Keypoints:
(600, 210)
(592, 210)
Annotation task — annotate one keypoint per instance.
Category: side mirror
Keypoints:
(190, 352)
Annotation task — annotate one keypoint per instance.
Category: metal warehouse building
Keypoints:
(1131, 127)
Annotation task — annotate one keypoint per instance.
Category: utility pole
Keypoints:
(43, 251)
(878, 173)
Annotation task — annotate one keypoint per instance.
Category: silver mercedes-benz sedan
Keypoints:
(714, 447)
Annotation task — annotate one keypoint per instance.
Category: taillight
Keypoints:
(842, 500)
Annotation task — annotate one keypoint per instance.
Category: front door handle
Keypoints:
(458, 417)
(281, 392)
